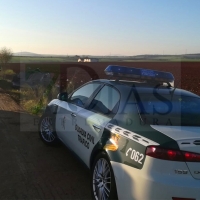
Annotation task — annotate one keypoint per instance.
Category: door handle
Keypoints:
(73, 115)
(97, 128)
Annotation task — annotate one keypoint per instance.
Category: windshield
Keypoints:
(169, 110)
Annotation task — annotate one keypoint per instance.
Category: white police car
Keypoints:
(140, 139)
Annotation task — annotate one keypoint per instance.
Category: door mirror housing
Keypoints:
(63, 96)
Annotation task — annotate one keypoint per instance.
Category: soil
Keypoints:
(31, 170)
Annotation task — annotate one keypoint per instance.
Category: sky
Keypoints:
(106, 27)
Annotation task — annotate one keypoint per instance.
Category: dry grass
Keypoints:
(26, 97)
(33, 100)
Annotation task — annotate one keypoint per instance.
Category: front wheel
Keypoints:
(47, 131)
(102, 179)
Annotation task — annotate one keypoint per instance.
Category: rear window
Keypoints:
(169, 110)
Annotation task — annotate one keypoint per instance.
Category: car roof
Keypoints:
(145, 87)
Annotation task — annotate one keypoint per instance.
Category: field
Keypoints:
(72, 75)
(27, 59)
(140, 58)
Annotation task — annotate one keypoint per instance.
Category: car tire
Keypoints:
(47, 131)
(102, 178)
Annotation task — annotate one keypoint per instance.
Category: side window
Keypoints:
(106, 101)
(81, 95)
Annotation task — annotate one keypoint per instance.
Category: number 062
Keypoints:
(135, 155)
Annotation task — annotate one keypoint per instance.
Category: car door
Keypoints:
(92, 120)
(66, 114)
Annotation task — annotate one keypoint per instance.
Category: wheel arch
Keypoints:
(51, 109)
(99, 147)
(94, 154)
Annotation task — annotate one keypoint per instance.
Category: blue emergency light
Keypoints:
(138, 73)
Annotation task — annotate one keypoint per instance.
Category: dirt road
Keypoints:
(28, 168)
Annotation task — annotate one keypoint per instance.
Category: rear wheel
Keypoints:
(102, 179)
(47, 130)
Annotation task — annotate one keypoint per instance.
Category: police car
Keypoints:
(140, 138)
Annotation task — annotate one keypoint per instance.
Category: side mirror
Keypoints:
(63, 96)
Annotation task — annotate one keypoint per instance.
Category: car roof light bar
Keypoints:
(139, 73)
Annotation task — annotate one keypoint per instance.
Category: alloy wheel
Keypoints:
(46, 129)
(102, 180)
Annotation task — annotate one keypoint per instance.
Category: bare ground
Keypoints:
(28, 168)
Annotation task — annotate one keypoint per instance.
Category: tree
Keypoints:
(5, 56)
